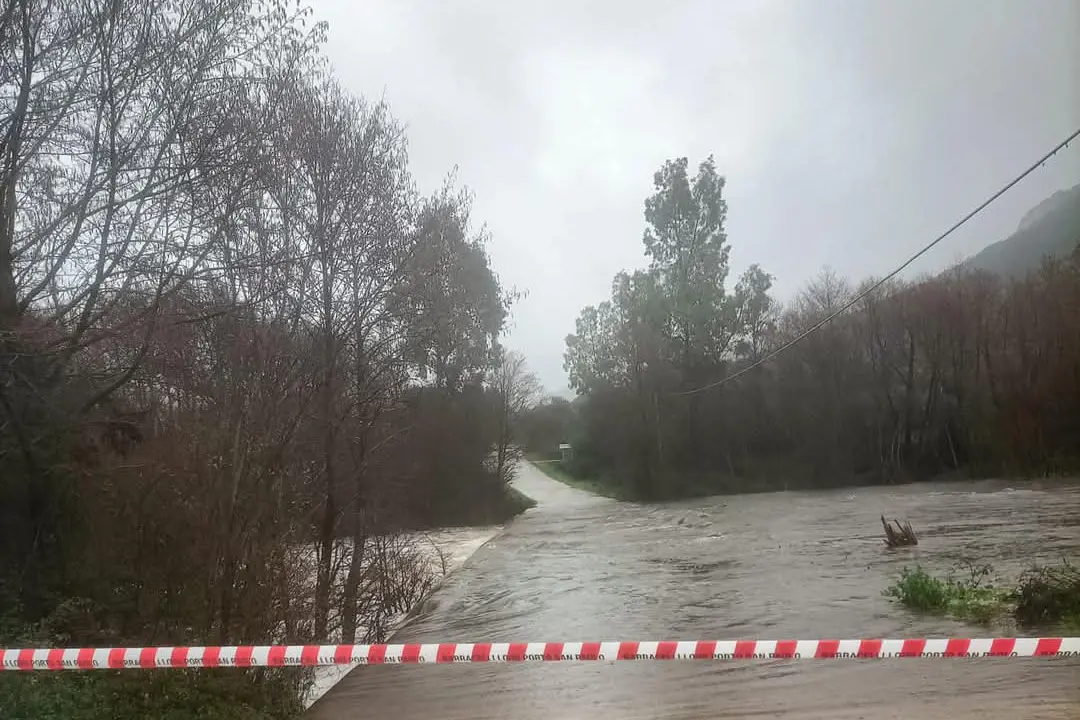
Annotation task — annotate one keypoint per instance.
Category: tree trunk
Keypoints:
(351, 594)
(324, 577)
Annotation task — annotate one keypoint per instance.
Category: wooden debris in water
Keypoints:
(899, 536)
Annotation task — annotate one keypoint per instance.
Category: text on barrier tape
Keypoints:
(313, 655)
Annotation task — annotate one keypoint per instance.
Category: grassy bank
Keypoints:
(262, 694)
(765, 477)
(558, 470)
(521, 502)
(675, 487)
(498, 505)
(1042, 596)
(244, 694)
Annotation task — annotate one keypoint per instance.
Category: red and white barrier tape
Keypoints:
(311, 655)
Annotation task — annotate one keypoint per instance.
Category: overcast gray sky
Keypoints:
(851, 132)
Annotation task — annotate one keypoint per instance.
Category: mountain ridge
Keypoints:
(1049, 229)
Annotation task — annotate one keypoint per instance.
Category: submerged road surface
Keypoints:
(783, 565)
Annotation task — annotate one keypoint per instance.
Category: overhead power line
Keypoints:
(848, 305)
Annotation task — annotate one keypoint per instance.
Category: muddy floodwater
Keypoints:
(802, 565)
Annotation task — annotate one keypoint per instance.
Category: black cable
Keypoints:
(890, 276)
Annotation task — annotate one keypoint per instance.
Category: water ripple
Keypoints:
(786, 565)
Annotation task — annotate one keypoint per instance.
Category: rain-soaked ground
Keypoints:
(772, 566)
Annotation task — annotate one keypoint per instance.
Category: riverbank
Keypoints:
(556, 470)
(679, 487)
(1043, 596)
(274, 694)
(690, 488)
(447, 550)
(535, 480)
(545, 496)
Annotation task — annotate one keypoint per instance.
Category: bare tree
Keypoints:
(102, 157)
(516, 390)
(219, 298)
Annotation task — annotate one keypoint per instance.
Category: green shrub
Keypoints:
(258, 694)
(919, 590)
(166, 694)
(968, 599)
(1048, 595)
(1043, 596)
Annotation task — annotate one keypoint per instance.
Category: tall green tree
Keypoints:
(963, 370)
(458, 306)
(756, 312)
(591, 359)
(686, 242)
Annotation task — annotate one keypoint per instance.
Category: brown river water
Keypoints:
(803, 565)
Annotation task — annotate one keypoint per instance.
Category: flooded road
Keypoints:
(784, 565)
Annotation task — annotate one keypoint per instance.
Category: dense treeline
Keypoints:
(239, 355)
(547, 424)
(961, 372)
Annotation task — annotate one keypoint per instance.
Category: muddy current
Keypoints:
(803, 565)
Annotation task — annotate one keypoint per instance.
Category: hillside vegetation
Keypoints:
(240, 355)
(969, 372)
